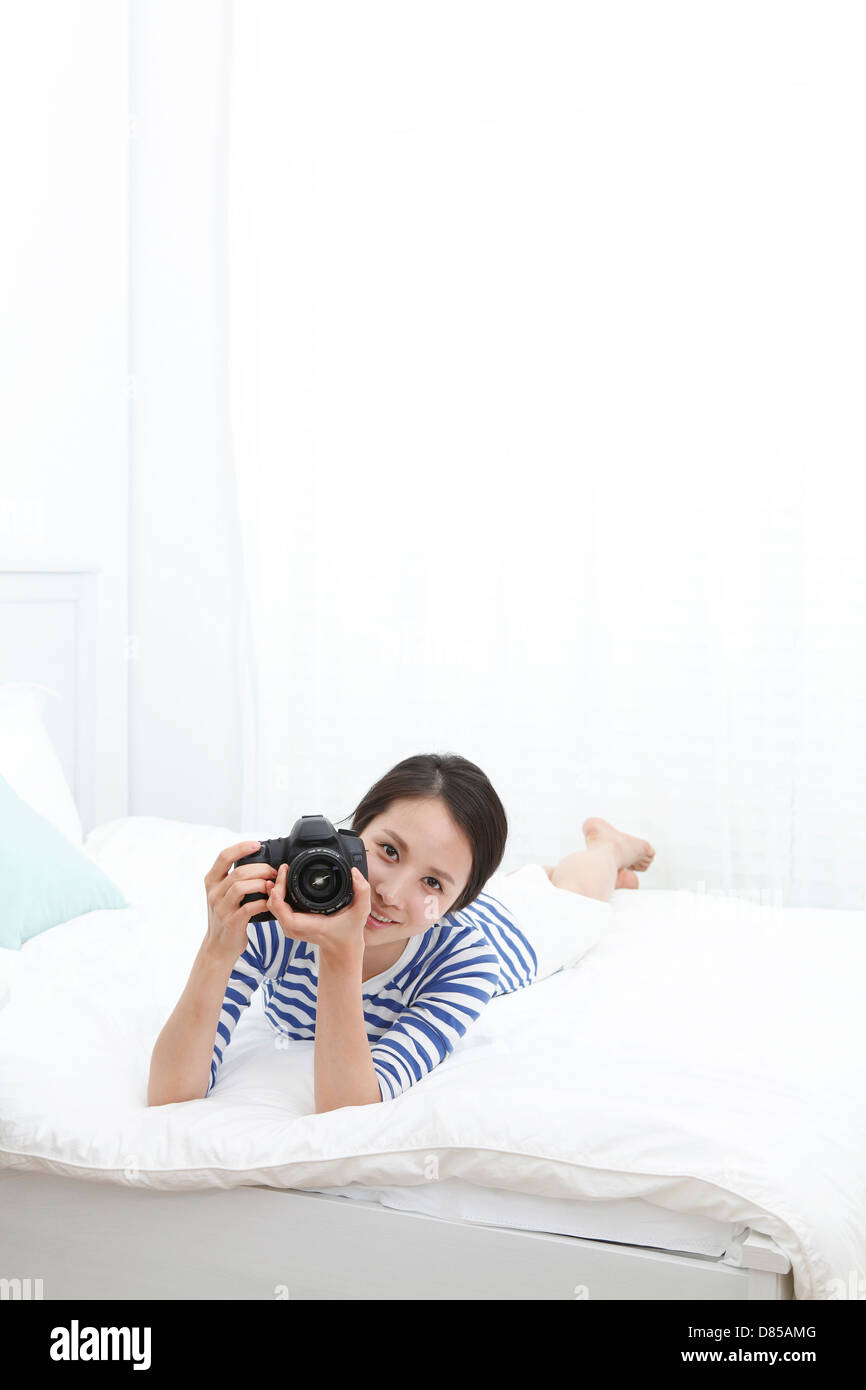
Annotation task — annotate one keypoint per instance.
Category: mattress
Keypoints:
(630, 1221)
(707, 1058)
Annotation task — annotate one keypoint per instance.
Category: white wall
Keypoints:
(113, 417)
(63, 348)
(184, 578)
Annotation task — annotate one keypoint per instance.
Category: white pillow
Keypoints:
(562, 926)
(8, 960)
(28, 759)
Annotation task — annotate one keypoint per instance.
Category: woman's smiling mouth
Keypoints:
(378, 921)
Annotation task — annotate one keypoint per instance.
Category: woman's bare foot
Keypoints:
(632, 852)
(626, 879)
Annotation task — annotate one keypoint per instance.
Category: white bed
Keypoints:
(681, 1115)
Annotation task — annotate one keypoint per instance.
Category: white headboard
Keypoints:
(56, 630)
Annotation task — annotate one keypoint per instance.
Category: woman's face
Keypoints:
(418, 864)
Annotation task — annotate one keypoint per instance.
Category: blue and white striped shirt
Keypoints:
(415, 1012)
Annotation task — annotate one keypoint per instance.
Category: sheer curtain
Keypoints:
(547, 370)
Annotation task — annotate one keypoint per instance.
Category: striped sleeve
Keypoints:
(266, 945)
(518, 962)
(459, 980)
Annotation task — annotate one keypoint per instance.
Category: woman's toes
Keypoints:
(644, 857)
(637, 853)
(626, 879)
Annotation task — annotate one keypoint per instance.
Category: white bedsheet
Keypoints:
(706, 1056)
(626, 1221)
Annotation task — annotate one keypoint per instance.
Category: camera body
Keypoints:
(320, 861)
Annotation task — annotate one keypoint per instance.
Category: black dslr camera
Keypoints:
(320, 861)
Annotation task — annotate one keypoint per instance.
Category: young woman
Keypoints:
(389, 985)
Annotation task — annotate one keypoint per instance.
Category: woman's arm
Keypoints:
(180, 1067)
(343, 1064)
(181, 1062)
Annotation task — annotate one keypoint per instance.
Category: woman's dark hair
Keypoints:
(469, 796)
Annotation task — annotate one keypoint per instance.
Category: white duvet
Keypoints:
(707, 1055)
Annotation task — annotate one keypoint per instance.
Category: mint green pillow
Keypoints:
(44, 878)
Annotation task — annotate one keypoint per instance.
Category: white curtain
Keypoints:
(547, 366)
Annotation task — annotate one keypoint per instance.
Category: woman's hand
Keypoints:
(226, 919)
(340, 934)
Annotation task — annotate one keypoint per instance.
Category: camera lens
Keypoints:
(318, 881)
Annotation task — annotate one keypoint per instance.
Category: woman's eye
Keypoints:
(438, 888)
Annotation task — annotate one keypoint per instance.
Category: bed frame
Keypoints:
(75, 1239)
(94, 1240)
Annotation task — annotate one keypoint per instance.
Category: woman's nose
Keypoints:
(391, 899)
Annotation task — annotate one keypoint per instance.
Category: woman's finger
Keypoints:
(240, 887)
(307, 926)
(236, 884)
(277, 903)
(226, 858)
(283, 910)
(253, 871)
